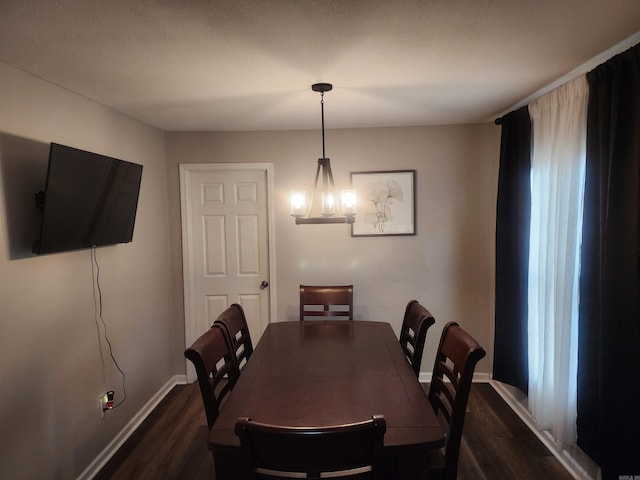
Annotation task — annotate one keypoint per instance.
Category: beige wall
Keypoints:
(51, 371)
(51, 363)
(448, 265)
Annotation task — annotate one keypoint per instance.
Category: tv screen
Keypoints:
(89, 200)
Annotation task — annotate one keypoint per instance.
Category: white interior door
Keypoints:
(227, 245)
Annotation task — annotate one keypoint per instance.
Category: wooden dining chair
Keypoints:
(413, 333)
(326, 302)
(344, 451)
(234, 323)
(216, 369)
(456, 359)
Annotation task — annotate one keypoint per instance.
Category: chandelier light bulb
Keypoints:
(298, 203)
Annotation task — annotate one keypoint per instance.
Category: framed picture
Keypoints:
(386, 203)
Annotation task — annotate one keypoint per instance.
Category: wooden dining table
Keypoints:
(320, 373)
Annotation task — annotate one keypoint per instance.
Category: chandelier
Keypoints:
(331, 211)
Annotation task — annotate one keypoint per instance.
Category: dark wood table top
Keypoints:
(319, 373)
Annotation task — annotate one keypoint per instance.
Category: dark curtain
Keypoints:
(609, 327)
(513, 215)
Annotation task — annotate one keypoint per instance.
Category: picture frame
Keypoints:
(386, 203)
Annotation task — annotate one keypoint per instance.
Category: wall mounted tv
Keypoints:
(89, 200)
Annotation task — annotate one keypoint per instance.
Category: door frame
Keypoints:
(188, 273)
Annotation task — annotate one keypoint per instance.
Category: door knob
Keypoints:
(264, 284)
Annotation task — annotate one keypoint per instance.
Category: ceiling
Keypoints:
(207, 65)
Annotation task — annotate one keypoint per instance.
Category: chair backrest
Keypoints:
(215, 367)
(326, 302)
(343, 451)
(413, 334)
(456, 359)
(234, 322)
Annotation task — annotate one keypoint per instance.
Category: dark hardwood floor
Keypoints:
(171, 443)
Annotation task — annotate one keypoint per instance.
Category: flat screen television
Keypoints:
(90, 200)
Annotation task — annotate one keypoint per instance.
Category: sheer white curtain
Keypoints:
(557, 190)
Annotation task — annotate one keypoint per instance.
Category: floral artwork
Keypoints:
(379, 197)
(385, 203)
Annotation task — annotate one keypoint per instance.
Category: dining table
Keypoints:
(330, 372)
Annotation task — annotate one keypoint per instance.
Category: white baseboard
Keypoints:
(563, 457)
(113, 446)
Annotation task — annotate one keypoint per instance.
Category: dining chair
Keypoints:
(456, 359)
(234, 323)
(326, 302)
(352, 450)
(216, 369)
(413, 333)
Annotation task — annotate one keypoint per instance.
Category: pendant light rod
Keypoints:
(322, 115)
(322, 87)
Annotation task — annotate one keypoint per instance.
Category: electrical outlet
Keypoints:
(106, 401)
